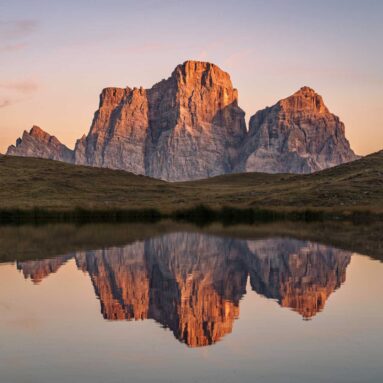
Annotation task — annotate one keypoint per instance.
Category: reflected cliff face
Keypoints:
(298, 274)
(192, 283)
(39, 269)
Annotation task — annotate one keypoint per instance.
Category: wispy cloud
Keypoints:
(12, 92)
(12, 47)
(14, 33)
(151, 47)
(5, 102)
(237, 59)
(24, 87)
(17, 29)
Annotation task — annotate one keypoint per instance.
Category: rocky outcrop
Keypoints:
(38, 143)
(118, 133)
(196, 126)
(190, 126)
(186, 127)
(296, 135)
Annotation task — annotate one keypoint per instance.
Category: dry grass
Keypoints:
(29, 183)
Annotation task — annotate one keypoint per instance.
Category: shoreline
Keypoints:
(200, 214)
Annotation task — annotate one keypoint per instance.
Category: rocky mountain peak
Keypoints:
(36, 131)
(296, 135)
(42, 136)
(111, 97)
(304, 100)
(38, 143)
(306, 91)
(205, 73)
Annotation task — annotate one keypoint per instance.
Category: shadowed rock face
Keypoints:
(190, 126)
(192, 283)
(296, 135)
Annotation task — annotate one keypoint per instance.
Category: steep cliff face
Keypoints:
(296, 135)
(118, 133)
(186, 127)
(38, 143)
(196, 126)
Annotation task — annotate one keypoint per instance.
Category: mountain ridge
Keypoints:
(189, 126)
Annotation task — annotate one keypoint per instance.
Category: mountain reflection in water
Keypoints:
(192, 283)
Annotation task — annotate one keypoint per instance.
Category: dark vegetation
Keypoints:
(22, 242)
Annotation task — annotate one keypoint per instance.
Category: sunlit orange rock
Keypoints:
(186, 127)
(296, 135)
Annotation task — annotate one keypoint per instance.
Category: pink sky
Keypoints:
(56, 58)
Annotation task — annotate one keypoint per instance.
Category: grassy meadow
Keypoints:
(39, 189)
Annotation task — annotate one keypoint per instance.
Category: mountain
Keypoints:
(186, 127)
(296, 135)
(190, 126)
(38, 143)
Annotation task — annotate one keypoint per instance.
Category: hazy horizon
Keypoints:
(56, 57)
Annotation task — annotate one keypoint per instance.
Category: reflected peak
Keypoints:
(192, 283)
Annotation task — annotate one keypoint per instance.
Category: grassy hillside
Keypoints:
(29, 183)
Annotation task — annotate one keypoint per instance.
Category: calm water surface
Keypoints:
(190, 307)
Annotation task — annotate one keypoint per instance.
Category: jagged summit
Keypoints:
(37, 132)
(306, 90)
(189, 126)
(185, 127)
(38, 143)
(207, 72)
(305, 99)
(194, 66)
(296, 135)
